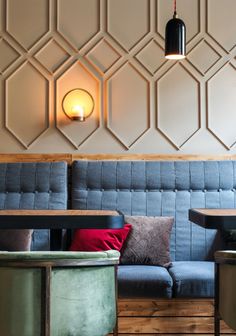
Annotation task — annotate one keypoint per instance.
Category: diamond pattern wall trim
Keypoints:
(128, 21)
(115, 50)
(222, 84)
(177, 119)
(27, 21)
(76, 16)
(26, 114)
(127, 105)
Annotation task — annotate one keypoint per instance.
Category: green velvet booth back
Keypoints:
(82, 293)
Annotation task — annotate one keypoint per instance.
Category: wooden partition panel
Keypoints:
(167, 317)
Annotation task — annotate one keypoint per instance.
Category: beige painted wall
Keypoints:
(114, 49)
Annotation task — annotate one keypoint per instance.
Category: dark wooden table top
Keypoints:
(60, 219)
(220, 219)
(56, 220)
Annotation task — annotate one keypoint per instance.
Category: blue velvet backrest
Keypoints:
(160, 189)
(41, 185)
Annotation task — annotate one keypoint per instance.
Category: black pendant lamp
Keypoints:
(175, 38)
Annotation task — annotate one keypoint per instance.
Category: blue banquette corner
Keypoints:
(39, 185)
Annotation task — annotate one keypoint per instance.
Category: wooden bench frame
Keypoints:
(146, 316)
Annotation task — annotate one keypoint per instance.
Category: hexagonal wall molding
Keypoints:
(77, 76)
(222, 11)
(27, 26)
(221, 108)
(128, 104)
(126, 25)
(178, 110)
(27, 115)
(73, 23)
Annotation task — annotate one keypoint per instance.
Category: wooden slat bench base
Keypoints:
(161, 317)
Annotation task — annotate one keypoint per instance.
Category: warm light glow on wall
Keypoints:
(78, 104)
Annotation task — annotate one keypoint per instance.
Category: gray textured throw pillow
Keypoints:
(148, 242)
(15, 240)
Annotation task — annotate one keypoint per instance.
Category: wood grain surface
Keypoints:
(216, 212)
(110, 157)
(58, 213)
(167, 317)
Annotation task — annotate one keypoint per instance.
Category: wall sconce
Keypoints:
(78, 104)
(175, 38)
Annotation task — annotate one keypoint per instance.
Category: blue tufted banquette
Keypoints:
(161, 188)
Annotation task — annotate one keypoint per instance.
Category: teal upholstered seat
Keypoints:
(79, 288)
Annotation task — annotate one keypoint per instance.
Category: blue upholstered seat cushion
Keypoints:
(144, 281)
(192, 278)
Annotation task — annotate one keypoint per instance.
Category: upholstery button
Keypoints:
(176, 190)
(220, 189)
(204, 190)
(190, 190)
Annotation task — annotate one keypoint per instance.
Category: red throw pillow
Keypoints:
(99, 239)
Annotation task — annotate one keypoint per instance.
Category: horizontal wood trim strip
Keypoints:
(151, 157)
(35, 157)
(176, 325)
(173, 307)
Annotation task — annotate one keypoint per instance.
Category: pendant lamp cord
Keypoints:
(175, 11)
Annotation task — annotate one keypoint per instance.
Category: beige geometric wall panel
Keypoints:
(115, 50)
(203, 57)
(8, 55)
(52, 55)
(128, 21)
(151, 57)
(26, 104)
(103, 56)
(188, 11)
(222, 105)
(77, 76)
(128, 104)
(178, 105)
(78, 21)
(27, 20)
(221, 22)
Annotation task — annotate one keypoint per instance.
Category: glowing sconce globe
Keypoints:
(78, 104)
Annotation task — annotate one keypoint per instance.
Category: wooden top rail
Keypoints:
(69, 158)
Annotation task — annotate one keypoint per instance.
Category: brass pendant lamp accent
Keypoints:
(175, 38)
